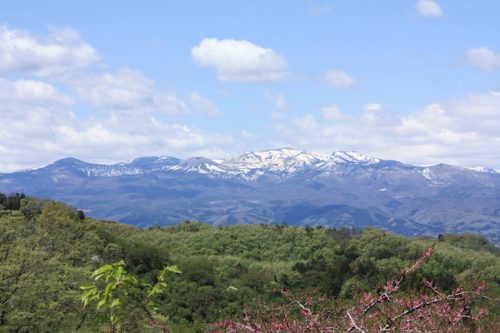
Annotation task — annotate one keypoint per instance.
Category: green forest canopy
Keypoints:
(48, 250)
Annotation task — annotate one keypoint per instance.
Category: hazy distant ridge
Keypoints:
(275, 186)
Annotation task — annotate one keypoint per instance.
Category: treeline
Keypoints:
(48, 250)
(11, 202)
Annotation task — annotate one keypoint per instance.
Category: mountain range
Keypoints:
(342, 189)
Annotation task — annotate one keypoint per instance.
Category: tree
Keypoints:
(126, 302)
(388, 310)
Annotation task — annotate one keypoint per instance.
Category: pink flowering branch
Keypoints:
(393, 285)
(353, 323)
(387, 311)
(451, 307)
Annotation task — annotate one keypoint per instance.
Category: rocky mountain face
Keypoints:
(276, 186)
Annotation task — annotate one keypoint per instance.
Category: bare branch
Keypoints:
(353, 323)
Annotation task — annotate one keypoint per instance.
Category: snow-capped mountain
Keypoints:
(137, 166)
(252, 165)
(199, 165)
(485, 170)
(275, 186)
(249, 166)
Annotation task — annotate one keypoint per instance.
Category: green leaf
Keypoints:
(173, 269)
(102, 270)
(101, 304)
(116, 303)
(87, 286)
(119, 271)
(97, 277)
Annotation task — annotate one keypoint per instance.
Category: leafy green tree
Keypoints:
(126, 301)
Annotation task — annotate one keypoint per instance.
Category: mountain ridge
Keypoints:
(275, 186)
(274, 160)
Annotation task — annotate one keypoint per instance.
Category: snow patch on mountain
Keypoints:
(484, 170)
(426, 172)
(250, 166)
(277, 160)
(200, 165)
(354, 157)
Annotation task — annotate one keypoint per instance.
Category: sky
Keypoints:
(106, 81)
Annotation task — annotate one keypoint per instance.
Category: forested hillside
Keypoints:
(276, 186)
(48, 250)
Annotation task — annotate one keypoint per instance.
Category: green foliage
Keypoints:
(11, 202)
(48, 250)
(115, 291)
(40, 271)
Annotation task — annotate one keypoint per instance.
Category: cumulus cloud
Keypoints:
(371, 107)
(126, 91)
(278, 100)
(247, 134)
(331, 113)
(429, 8)
(30, 92)
(34, 136)
(204, 105)
(240, 60)
(339, 79)
(483, 58)
(464, 132)
(69, 106)
(371, 112)
(60, 52)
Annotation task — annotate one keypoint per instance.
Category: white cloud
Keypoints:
(371, 112)
(464, 132)
(61, 52)
(240, 60)
(331, 113)
(34, 136)
(247, 134)
(73, 108)
(206, 106)
(317, 8)
(371, 107)
(429, 8)
(483, 58)
(126, 91)
(339, 79)
(279, 101)
(30, 92)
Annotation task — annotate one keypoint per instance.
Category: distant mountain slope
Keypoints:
(276, 186)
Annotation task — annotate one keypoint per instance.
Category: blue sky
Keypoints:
(106, 81)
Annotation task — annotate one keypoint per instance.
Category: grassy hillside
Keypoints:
(48, 250)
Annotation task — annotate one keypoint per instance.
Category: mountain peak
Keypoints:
(278, 185)
(199, 164)
(354, 157)
(153, 161)
(69, 162)
(281, 159)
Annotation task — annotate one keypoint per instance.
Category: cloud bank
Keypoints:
(56, 101)
(61, 101)
(464, 132)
